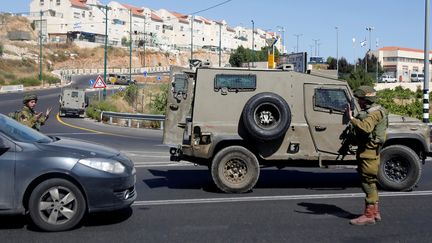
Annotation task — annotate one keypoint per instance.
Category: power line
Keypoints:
(214, 6)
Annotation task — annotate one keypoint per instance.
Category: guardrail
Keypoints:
(115, 70)
(11, 88)
(133, 116)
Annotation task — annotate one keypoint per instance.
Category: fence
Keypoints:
(133, 116)
(115, 70)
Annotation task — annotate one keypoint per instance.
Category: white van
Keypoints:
(417, 77)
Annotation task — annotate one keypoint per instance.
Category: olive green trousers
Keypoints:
(368, 171)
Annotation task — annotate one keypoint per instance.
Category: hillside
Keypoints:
(21, 58)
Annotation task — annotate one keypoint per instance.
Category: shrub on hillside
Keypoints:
(50, 79)
(402, 101)
(158, 105)
(27, 81)
(94, 109)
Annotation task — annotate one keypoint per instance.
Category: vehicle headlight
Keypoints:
(107, 165)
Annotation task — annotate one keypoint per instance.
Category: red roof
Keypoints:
(135, 10)
(156, 17)
(79, 3)
(181, 17)
(206, 21)
(230, 29)
(397, 48)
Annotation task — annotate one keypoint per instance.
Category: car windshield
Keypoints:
(421, 76)
(20, 132)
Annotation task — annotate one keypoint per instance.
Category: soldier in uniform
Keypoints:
(28, 116)
(370, 127)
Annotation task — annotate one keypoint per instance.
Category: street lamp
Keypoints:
(426, 65)
(282, 30)
(297, 35)
(220, 44)
(370, 40)
(337, 51)
(192, 22)
(316, 44)
(106, 41)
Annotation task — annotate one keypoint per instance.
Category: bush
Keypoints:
(158, 106)
(1, 49)
(27, 81)
(94, 110)
(402, 101)
(50, 79)
(130, 94)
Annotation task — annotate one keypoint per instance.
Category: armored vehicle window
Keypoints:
(233, 82)
(333, 99)
(74, 94)
(180, 83)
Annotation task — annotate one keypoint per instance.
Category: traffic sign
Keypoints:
(145, 73)
(158, 78)
(91, 82)
(99, 83)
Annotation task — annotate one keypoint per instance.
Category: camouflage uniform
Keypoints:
(370, 127)
(27, 116)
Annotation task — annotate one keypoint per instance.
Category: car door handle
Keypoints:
(320, 128)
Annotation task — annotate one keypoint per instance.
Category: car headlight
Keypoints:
(107, 165)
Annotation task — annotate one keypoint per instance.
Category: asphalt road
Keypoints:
(178, 202)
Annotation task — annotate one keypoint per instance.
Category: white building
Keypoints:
(401, 61)
(84, 20)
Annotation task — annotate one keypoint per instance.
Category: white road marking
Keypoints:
(160, 164)
(275, 198)
(73, 133)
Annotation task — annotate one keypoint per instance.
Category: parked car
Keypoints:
(58, 180)
(417, 77)
(387, 79)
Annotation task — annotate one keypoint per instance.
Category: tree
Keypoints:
(359, 78)
(246, 55)
(331, 61)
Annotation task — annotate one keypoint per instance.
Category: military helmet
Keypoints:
(366, 93)
(28, 97)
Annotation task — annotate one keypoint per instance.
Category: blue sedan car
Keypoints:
(58, 180)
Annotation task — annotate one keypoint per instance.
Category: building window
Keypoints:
(157, 27)
(181, 28)
(415, 69)
(58, 2)
(41, 2)
(83, 14)
(77, 15)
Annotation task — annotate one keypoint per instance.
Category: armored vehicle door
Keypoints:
(179, 103)
(325, 114)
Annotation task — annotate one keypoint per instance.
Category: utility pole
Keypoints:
(144, 41)
(130, 45)
(426, 66)
(106, 8)
(220, 45)
(40, 49)
(192, 21)
(337, 52)
(253, 44)
(297, 46)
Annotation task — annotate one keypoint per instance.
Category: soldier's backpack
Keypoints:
(15, 114)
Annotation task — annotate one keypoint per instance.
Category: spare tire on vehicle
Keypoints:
(266, 116)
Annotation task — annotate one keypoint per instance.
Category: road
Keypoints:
(178, 202)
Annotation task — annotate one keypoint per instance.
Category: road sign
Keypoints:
(99, 83)
(91, 82)
(158, 78)
(145, 73)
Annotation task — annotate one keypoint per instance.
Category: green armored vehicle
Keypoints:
(237, 120)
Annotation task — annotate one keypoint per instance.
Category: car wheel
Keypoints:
(266, 116)
(235, 169)
(400, 168)
(56, 205)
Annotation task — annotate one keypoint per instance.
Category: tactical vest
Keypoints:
(378, 135)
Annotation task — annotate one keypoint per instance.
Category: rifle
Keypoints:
(348, 140)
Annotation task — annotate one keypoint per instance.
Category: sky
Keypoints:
(395, 22)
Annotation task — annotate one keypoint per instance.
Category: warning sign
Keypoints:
(99, 83)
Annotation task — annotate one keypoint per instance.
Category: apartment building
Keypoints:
(84, 20)
(401, 61)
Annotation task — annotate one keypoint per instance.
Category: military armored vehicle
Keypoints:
(73, 102)
(237, 120)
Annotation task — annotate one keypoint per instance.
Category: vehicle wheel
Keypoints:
(56, 205)
(235, 169)
(400, 168)
(266, 116)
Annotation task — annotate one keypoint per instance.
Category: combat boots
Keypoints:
(367, 218)
(377, 214)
